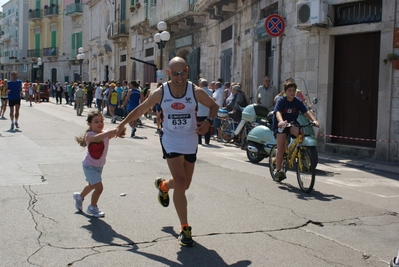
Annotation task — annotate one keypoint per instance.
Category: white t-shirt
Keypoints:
(179, 121)
(218, 95)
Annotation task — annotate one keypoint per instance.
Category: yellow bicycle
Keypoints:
(298, 157)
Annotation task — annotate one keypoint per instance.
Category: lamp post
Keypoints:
(80, 57)
(39, 63)
(161, 38)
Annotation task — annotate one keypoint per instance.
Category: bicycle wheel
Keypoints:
(305, 170)
(227, 130)
(272, 162)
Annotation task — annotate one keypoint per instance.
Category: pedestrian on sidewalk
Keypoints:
(79, 100)
(96, 140)
(179, 137)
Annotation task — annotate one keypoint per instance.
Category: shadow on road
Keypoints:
(102, 232)
(192, 257)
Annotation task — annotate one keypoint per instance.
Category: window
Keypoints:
(227, 34)
(149, 52)
(359, 12)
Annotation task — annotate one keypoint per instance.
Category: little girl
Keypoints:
(96, 141)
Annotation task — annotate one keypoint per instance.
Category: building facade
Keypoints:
(13, 43)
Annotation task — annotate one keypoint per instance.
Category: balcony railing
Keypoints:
(117, 28)
(139, 15)
(34, 52)
(51, 11)
(34, 14)
(50, 51)
(169, 9)
(74, 9)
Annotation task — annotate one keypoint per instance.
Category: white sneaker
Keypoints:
(78, 201)
(94, 211)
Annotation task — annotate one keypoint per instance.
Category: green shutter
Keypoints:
(79, 39)
(53, 39)
(38, 4)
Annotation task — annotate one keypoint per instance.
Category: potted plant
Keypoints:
(45, 6)
(138, 5)
(30, 10)
(394, 58)
(132, 9)
(52, 5)
(36, 9)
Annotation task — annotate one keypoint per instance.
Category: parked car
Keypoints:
(44, 92)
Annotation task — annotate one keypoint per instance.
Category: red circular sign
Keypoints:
(274, 25)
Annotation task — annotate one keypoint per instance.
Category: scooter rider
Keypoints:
(287, 110)
(239, 100)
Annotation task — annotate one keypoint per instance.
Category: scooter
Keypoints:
(251, 116)
(260, 139)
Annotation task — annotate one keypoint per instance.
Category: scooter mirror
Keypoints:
(314, 101)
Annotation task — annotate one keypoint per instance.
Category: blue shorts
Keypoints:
(93, 174)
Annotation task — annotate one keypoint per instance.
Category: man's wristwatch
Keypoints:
(210, 121)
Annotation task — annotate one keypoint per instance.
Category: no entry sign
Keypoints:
(274, 25)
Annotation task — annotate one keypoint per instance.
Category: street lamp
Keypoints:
(161, 38)
(80, 57)
(39, 63)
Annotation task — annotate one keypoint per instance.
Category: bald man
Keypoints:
(179, 136)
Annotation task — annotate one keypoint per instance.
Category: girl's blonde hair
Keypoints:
(81, 139)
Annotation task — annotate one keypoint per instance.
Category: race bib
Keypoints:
(179, 121)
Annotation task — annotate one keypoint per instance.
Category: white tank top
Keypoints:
(179, 121)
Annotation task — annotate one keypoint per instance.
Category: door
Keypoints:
(122, 73)
(355, 90)
(150, 72)
(193, 62)
(54, 75)
(225, 65)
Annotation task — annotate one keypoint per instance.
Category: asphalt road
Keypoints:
(240, 217)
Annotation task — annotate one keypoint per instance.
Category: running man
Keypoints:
(179, 136)
(14, 98)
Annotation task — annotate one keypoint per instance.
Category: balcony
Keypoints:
(4, 60)
(118, 30)
(74, 9)
(217, 9)
(139, 19)
(32, 53)
(15, 20)
(34, 14)
(171, 11)
(50, 52)
(51, 10)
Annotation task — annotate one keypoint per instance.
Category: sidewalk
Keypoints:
(366, 163)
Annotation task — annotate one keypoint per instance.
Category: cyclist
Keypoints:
(287, 110)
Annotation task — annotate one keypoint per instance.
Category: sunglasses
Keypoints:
(177, 73)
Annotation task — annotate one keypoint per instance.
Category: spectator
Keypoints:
(266, 93)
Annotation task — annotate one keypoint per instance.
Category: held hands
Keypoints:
(316, 123)
(203, 127)
(120, 131)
